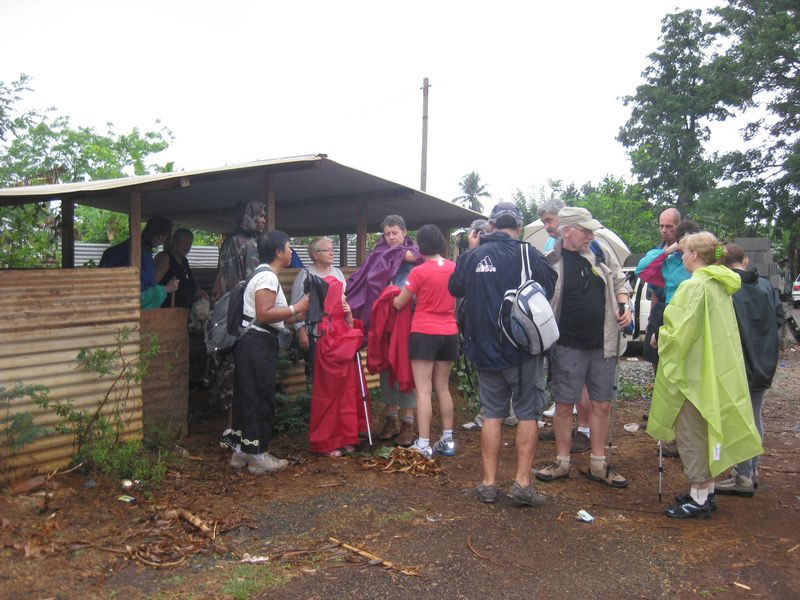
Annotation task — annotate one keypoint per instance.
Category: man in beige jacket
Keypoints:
(591, 305)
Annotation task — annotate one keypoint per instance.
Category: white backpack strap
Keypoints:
(525, 269)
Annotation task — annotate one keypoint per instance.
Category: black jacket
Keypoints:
(759, 313)
(482, 276)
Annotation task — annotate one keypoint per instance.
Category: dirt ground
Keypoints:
(89, 544)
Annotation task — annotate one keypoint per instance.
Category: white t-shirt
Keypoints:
(266, 280)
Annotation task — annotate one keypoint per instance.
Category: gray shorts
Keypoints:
(571, 368)
(495, 389)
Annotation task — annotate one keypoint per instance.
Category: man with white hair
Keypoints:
(590, 302)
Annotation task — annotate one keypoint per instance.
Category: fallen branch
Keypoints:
(377, 559)
(478, 554)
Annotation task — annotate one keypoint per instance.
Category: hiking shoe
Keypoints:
(736, 485)
(525, 496)
(227, 440)
(259, 464)
(405, 436)
(238, 460)
(445, 447)
(669, 449)
(689, 509)
(712, 500)
(487, 493)
(391, 427)
(608, 476)
(427, 451)
(474, 425)
(550, 412)
(580, 442)
(552, 471)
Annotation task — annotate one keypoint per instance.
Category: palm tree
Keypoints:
(472, 189)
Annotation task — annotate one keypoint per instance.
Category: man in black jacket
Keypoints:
(483, 276)
(759, 314)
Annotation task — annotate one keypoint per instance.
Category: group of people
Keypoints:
(712, 338)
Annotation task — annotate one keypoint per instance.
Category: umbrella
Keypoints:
(536, 235)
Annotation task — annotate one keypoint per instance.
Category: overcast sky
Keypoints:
(522, 92)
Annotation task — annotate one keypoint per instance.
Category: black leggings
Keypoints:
(255, 357)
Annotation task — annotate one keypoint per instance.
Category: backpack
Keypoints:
(526, 318)
(224, 326)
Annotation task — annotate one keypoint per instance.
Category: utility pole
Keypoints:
(424, 170)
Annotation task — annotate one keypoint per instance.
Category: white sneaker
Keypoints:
(259, 464)
(238, 460)
(574, 409)
(550, 412)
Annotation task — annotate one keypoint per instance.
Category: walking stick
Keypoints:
(660, 470)
(363, 395)
(614, 398)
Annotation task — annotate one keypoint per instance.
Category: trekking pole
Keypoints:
(363, 395)
(614, 397)
(660, 469)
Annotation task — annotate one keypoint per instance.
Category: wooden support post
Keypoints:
(343, 249)
(266, 194)
(447, 241)
(67, 234)
(135, 227)
(361, 234)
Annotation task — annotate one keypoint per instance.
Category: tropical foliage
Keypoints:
(472, 190)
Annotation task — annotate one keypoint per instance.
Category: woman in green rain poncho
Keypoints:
(701, 397)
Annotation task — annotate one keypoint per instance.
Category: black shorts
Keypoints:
(422, 346)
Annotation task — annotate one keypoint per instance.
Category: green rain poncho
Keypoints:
(700, 361)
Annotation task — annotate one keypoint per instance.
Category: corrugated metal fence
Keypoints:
(46, 317)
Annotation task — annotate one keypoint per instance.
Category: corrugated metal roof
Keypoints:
(313, 195)
(46, 317)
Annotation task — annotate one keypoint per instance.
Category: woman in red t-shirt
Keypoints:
(433, 345)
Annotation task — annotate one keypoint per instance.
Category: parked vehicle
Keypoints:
(641, 306)
(796, 293)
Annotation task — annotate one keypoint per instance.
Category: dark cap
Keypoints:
(505, 209)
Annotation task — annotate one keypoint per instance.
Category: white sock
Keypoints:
(423, 442)
(699, 493)
(447, 434)
(564, 460)
(597, 463)
(585, 431)
(226, 432)
(711, 488)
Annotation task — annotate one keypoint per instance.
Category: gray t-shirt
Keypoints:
(266, 280)
(297, 286)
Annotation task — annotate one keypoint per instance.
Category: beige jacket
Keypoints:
(615, 281)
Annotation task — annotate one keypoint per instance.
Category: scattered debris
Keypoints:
(793, 548)
(376, 560)
(127, 499)
(256, 560)
(403, 460)
(90, 484)
(31, 484)
(741, 585)
(584, 516)
(631, 427)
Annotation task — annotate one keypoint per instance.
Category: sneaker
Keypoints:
(525, 496)
(227, 440)
(487, 493)
(580, 442)
(608, 476)
(689, 509)
(259, 464)
(427, 451)
(552, 471)
(445, 447)
(473, 425)
(736, 485)
(238, 460)
(550, 412)
(712, 500)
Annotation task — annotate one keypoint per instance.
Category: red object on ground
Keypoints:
(337, 414)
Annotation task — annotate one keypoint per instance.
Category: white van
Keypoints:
(641, 307)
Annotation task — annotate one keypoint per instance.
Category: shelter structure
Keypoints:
(48, 315)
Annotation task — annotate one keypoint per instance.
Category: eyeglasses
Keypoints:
(324, 250)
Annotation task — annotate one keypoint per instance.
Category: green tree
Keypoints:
(472, 190)
(41, 147)
(671, 111)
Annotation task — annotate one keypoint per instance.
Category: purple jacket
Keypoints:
(381, 267)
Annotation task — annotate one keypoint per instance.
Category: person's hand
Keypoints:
(301, 306)
(348, 313)
(201, 294)
(172, 285)
(654, 342)
(410, 257)
(671, 248)
(302, 339)
(624, 319)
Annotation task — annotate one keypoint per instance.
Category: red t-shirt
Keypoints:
(435, 313)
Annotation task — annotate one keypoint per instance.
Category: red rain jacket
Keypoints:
(387, 341)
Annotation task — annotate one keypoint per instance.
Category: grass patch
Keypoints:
(248, 580)
(401, 517)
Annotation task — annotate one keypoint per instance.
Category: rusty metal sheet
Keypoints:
(46, 317)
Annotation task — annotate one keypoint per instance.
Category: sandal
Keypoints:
(348, 449)
(333, 453)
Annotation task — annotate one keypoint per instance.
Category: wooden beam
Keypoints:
(343, 249)
(266, 194)
(67, 234)
(361, 235)
(135, 229)
(446, 232)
